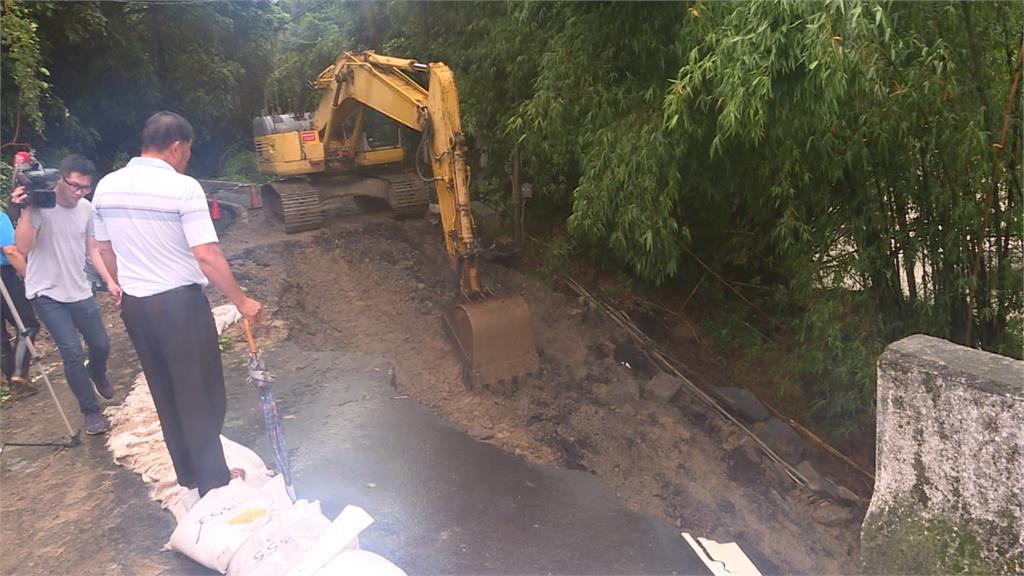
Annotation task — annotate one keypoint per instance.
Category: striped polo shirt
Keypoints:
(153, 216)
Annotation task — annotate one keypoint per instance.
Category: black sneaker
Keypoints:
(95, 424)
(104, 388)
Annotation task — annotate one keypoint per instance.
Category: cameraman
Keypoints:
(55, 241)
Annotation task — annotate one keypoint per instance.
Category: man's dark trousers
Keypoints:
(176, 340)
(13, 362)
(65, 320)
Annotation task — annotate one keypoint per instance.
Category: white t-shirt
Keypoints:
(153, 216)
(56, 265)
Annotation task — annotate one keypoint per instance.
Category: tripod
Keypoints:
(74, 438)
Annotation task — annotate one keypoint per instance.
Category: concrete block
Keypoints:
(742, 402)
(950, 462)
(781, 438)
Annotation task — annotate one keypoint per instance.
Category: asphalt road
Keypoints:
(443, 502)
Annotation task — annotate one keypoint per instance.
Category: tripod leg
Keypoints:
(24, 335)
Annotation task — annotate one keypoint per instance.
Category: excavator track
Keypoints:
(409, 195)
(297, 204)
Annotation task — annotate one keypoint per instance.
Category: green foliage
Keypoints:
(555, 258)
(902, 540)
(109, 65)
(240, 165)
(6, 172)
(316, 32)
(835, 155)
(20, 45)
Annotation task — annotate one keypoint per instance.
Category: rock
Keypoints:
(782, 439)
(845, 494)
(814, 479)
(480, 432)
(742, 402)
(662, 387)
(829, 513)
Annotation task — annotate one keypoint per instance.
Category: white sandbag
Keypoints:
(237, 456)
(278, 491)
(281, 542)
(359, 563)
(341, 535)
(224, 316)
(217, 526)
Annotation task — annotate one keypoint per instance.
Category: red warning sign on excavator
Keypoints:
(308, 136)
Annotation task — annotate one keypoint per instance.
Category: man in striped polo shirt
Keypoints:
(157, 238)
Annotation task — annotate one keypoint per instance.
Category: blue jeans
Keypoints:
(65, 320)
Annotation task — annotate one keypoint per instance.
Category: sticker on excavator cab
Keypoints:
(309, 136)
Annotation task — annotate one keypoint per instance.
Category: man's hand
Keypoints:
(251, 310)
(115, 292)
(19, 196)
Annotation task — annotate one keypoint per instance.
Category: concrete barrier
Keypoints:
(949, 487)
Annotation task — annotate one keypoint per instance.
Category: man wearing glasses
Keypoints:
(55, 241)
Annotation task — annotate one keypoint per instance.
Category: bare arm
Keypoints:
(215, 267)
(16, 259)
(92, 247)
(106, 253)
(24, 233)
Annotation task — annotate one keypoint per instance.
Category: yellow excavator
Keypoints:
(352, 146)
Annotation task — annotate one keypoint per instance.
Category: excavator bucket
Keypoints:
(496, 339)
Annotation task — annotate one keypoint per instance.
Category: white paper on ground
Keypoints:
(723, 559)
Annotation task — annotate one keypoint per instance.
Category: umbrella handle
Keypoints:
(248, 336)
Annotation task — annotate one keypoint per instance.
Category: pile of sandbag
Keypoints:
(250, 527)
(244, 531)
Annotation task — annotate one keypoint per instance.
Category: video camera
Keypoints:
(37, 180)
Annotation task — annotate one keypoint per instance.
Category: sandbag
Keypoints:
(359, 563)
(225, 315)
(237, 456)
(220, 523)
(340, 536)
(280, 543)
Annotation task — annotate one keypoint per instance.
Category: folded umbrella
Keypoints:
(262, 381)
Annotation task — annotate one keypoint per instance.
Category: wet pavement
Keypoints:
(443, 502)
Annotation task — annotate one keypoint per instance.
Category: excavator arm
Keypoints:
(494, 334)
(381, 83)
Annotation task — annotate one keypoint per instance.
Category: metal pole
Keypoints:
(517, 200)
(23, 332)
